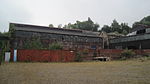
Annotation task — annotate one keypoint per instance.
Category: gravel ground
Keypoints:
(113, 72)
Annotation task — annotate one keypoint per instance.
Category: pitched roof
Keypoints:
(35, 28)
(139, 27)
(130, 38)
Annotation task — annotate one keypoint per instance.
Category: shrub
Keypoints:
(94, 54)
(55, 46)
(78, 57)
(34, 43)
(85, 51)
(146, 54)
(127, 54)
(4, 46)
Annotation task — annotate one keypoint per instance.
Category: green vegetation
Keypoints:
(34, 43)
(83, 25)
(122, 28)
(94, 54)
(51, 25)
(78, 57)
(126, 54)
(11, 30)
(85, 52)
(55, 46)
(4, 45)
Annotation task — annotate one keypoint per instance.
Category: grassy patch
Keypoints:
(116, 72)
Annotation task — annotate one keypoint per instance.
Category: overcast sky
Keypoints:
(45, 12)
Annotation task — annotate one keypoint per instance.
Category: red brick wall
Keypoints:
(67, 56)
(112, 53)
(45, 55)
(11, 54)
(146, 51)
(116, 53)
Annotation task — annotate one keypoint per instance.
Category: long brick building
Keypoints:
(70, 39)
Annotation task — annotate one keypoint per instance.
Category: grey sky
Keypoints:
(44, 12)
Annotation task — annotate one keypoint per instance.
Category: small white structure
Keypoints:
(15, 55)
(7, 56)
(132, 33)
(102, 58)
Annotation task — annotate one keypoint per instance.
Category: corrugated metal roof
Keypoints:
(34, 28)
(131, 38)
(139, 27)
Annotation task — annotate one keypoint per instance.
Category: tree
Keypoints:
(106, 28)
(51, 25)
(116, 27)
(1, 34)
(84, 25)
(60, 26)
(4, 45)
(122, 28)
(144, 21)
(125, 28)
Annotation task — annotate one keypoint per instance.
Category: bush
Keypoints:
(4, 47)
(78, 57)
(94, 54)
(85, 51)
(55, 46)
(34, 43)
(126, 54)
(146, 54)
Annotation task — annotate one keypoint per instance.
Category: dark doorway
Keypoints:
(141, 31)
(132, 47)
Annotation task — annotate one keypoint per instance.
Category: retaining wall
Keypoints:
(44, 55)
(68, 56)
